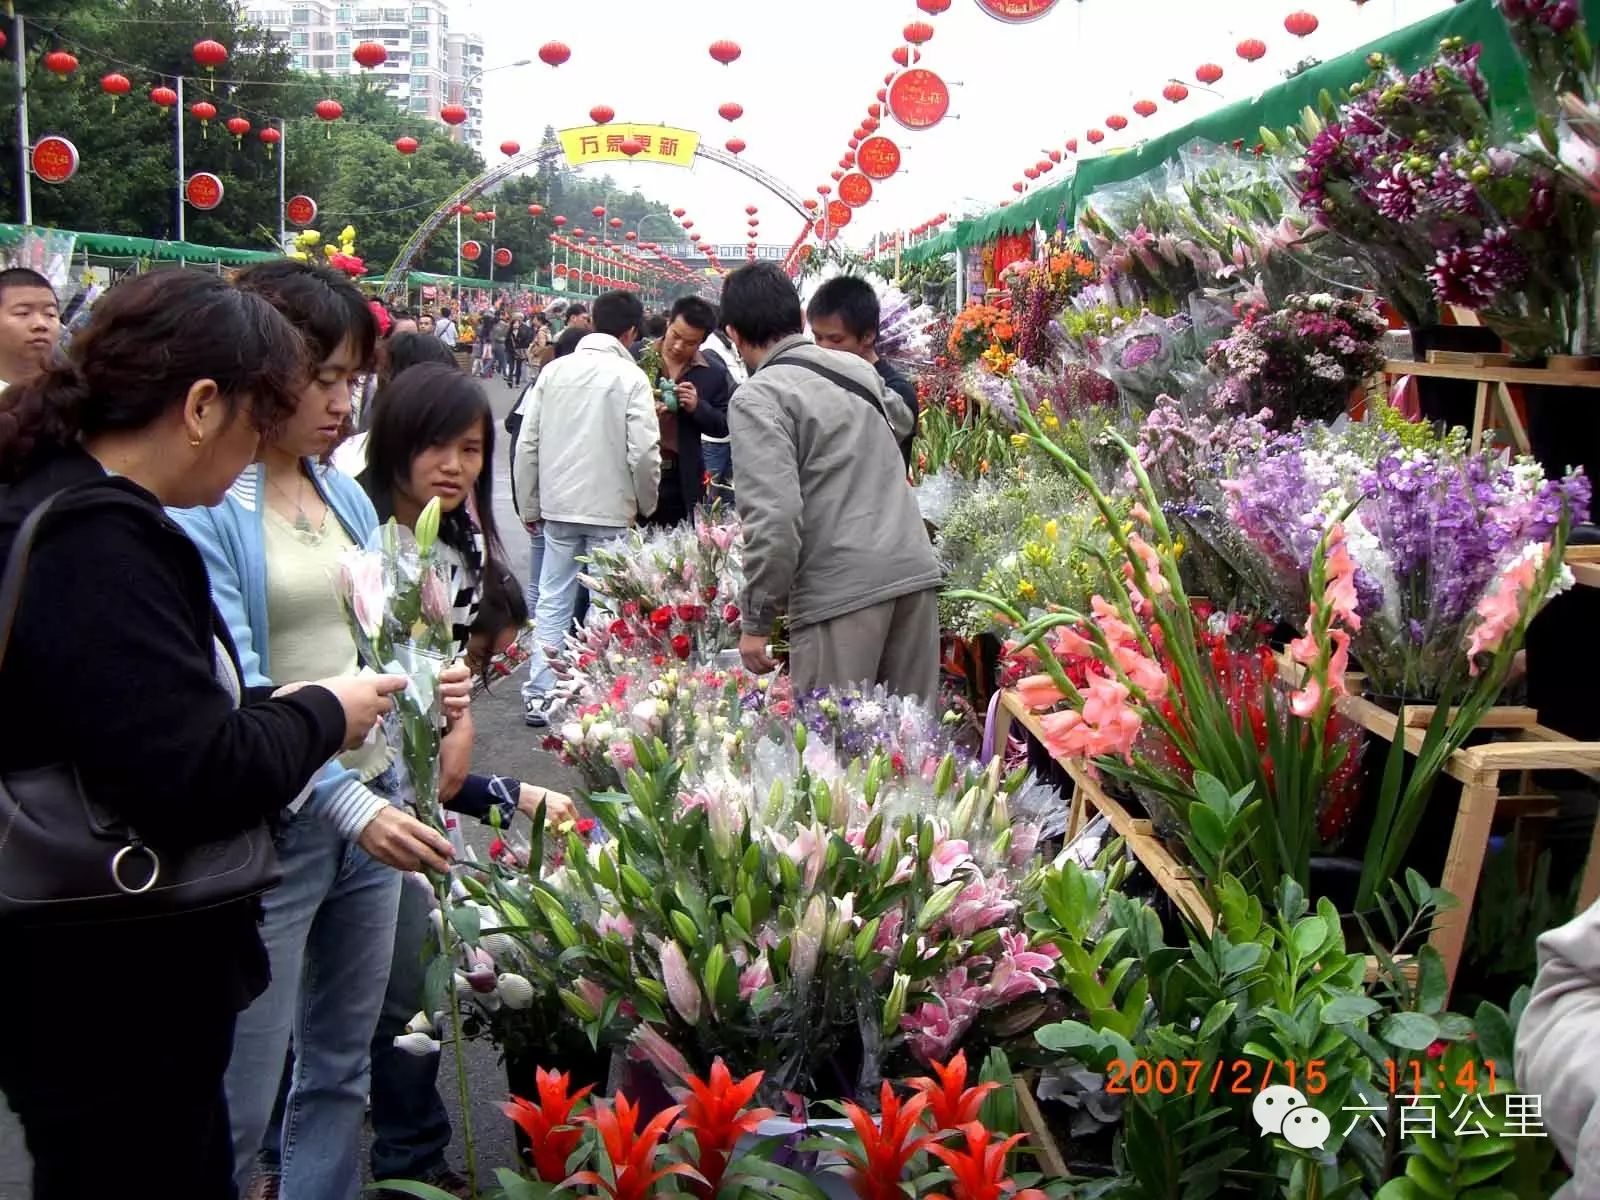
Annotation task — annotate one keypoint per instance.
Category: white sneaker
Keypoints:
(539, 711)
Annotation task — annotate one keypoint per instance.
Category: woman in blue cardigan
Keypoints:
(271, 549)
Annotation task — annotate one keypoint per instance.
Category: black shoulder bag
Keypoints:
(65, 859)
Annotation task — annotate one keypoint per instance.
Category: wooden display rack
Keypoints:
(1494, 387)
(1478, 769)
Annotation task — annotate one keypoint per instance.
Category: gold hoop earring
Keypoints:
(195, 442)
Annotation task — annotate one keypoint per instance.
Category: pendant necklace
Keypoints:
(302, 524)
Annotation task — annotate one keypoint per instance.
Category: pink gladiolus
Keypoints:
(435, 596)
(1341, 589)
(1068, 643)
(949, 857)
(1304, 649)
(1501, 606)
(1141, 514)
(1156, 581)
(1145, 673)
(1039, 692)
(1112, 722)
(647, 1044)
(682, 987)
(1304, 703)
(1111, 623)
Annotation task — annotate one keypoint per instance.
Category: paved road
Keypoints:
(505, 746)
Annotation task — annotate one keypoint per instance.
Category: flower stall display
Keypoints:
(817, 918)
(1430, 527)
(981, 332)
(1302, 360)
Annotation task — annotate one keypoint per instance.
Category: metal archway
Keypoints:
(395, 281)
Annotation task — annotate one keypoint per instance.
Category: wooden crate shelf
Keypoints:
(1494, 390)
(1477, 768)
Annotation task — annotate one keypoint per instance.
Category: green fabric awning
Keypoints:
(1276, 108)
(420, 278)
(109, 245)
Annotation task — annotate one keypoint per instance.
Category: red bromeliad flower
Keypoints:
(715, 1113)
(980, 1171)
(886, 1147)
(951, 1104)
(632, 1154)
(549, 1123)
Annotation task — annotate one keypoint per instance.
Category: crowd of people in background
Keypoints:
(205, 453)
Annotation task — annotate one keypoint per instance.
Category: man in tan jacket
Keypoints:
(832, 534)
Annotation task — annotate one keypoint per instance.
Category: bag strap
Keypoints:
(838, 378)
(17, 570)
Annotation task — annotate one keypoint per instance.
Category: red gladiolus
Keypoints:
(951, 1104)
(680, 645)
(886, 1147)
(549, 1124)
(632, 1152)
(715, 1113)
(980, 1171)
(662, 617)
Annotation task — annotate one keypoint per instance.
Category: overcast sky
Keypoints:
(810, 68)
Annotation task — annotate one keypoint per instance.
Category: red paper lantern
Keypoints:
(510, 149)
(808, 202)
(165, 97)
(878, 157)
(1251, 49)
(630, 236)
(824, 190)
(269, 138)
(329, 110)
(844, 162)
(561, 269)
(1071, 145)
(406, 145)
(933, 7)
(1044, 166)
(554, 53)
(502, 257)
(60, 62)
(854, 143)
(615, 222)
(558, 221)
(919, 100)
(687, 224)
(1144, 108)
(882, 94)
(205, 112)
(1019, 187)
(1054, 156)
(1301, 24)
(1175, 92)
(599, 210)
(730, 111)
(210, 54)
(602, 114)
(1030, 173)
(453, 114)
(917, 33)
(1117, 121)
(1095, 136)
(370, 55)
(678, 212)
(735, 145)
(904, 56)
(855, 189)
(725, 51)
(630, 146)
(1208, 73)
(115, 85)
(695, 237)
(535, 210)
(238, 126)
(838, 214)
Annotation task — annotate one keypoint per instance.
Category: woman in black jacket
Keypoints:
(119, 666)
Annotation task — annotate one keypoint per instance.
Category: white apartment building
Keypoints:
(428, 67)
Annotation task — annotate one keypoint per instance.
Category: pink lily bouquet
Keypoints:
(397, 600)
(817, 927)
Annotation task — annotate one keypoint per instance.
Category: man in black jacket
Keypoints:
(843, 315)
(703, 392)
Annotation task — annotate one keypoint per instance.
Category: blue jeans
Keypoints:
(410, 1127)
(718, 458)
(329, 932)
(564, 545)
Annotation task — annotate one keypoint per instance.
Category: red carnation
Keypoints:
(680, 645)
(662, 617)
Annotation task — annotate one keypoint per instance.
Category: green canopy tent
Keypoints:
(137, 249)
(1276, 108)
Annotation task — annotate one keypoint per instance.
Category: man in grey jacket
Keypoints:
(832, 535)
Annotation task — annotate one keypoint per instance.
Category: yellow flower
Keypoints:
(1026, 590)
(1177, 548)
(1051, 529)
(1019, 439)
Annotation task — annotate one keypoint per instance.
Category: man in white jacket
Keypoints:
(588, 465)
